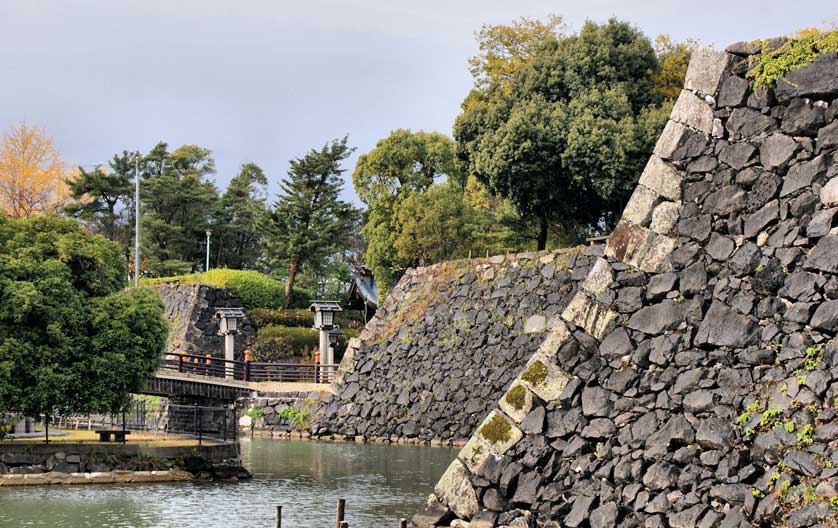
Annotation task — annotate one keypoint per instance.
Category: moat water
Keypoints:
(381, 484)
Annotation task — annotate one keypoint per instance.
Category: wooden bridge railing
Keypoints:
(249, 370)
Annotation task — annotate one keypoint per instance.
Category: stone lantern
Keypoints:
(324, 320)
(228, 326)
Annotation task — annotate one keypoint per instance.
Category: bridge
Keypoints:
(188, 376)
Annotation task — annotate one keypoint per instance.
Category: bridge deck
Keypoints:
(173, 382)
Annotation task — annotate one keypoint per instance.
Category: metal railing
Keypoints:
(249, 370)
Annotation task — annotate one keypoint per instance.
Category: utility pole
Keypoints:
(209, 232)
(137, 219)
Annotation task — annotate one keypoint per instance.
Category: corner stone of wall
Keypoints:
(692, 381)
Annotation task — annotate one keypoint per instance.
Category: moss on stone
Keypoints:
(535, 374)
(497, 430)
(793, 55)
(517, 397)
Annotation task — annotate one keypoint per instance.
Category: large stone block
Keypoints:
(693, 111)
(544, 378)
(639, 207)
(679, 142)
(556, 338)
(454, 489)
(707, 70)
(595, 318)
(629, 243)
(665, 217)
(517, 402)
(661, 178)
(656, 259)
(599, 278)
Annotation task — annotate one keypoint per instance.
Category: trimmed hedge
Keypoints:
(256, 290)
(293, 344)
(301, 317)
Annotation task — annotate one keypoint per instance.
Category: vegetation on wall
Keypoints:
(796, 53)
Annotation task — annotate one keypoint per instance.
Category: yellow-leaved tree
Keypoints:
(32, 174)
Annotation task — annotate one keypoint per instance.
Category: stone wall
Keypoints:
(445, 345)
(692, 380)
(190, 310)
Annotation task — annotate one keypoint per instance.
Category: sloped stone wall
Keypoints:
(193, 328)
(692, 380)
(445, 345)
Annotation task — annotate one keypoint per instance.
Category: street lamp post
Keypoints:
(137, 220)
(209, 233)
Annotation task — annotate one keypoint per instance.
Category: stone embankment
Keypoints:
(40, 464)
(445, 345)
(691, 381)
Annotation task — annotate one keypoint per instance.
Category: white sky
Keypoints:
(264, 81)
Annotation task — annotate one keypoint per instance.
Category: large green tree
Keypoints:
(309, 222)
(72, 339)
(238, 221)
(178, 201)
(566, 137)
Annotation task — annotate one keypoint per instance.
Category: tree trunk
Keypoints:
(542, 235)
(289, 284)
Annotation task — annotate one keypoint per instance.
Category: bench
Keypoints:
(118, 435)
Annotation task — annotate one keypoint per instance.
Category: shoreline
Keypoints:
(400, 440)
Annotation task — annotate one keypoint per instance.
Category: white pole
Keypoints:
(137, 220)
(229, 354)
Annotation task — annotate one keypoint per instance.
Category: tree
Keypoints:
(673, 59)
(401, 164)
(237, 223)
(71, 339)
(506, 49)
(432, 226)
(32, 173)
(104, 198)
(309, 222)
(567, 140)
(177, 205)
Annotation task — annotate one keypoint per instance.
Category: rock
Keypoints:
(661, 475)
(527, 489)
(661, 178)
(605, 516)
(769, 278)
(738, 155)
(706, 70)
(599, 278)
(687, 518)
(616, 344)
(596, 401)
(776, 150)
(745, 123)
(745, 260)
(803, 174)
(757, 221)
(800, 285)
(455, 490)
(720, 247)
(657, 318)
(535, 324)
(534, 421)
(692, 111)
(665, 217)
(723, 326)
(693, 279)
(432, 514)
(659, 285)
(829, 192)
(809, 515)
(763, 190)
(579, 512)
(828, 137)
(697, 228)
(599, 428)
(734, 91)
(824, 257)
(818, 80)
(714, 433)
(826, 316)
(801, 463)
(802, 118)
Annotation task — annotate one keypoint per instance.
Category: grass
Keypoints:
(83, 436)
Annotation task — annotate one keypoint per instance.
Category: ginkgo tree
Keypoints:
(33, 176)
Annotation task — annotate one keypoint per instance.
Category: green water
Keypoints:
(381, 484)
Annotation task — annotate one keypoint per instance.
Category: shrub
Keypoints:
(288, 343)
(301, 317)
(255, 289)
(793, 55)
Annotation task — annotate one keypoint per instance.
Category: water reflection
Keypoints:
(381, 484)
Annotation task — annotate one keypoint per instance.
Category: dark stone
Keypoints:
(737, 155)
(723, 326)
(809, 515)
(714, 433)
(801, 463)
(693, 279)
(821, 223)
(802, 118)
(826, 316)
(818, 80)
(728, 199)
(745, 260)
(432, 514)
(661, 475)
(777, 150)
(757, 221)
(697, 228)
(803, 174)
(824, 257)
(720, 247)
(687, 518)
(745, 123)
(658, 318)
(733, 92)
(616, 344)
(762, 191)
(828, 137)
(605, 516)
(527, 490)
(596, 401)
(579, 512)
(599, 428)
(769, 278)
(534, 421)
(731, 493)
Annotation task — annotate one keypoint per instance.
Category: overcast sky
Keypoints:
(264, 81)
